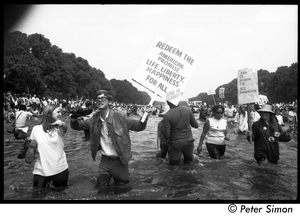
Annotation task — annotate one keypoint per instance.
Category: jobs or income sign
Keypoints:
(221, 92)
(247, 86)
(166, 70)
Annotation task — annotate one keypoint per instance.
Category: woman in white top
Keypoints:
(215, 131)
(241, 119)
(279, 117)
(47, 140)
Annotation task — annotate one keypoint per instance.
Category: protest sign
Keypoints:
(247, 86)
(221, 92)
(211, 92)
(165, 70)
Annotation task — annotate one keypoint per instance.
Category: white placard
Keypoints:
(247, 84)
(166, 69)
(211, 92)
(221, 92)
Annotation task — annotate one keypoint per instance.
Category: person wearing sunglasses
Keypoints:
(109, 134)
(215, 131)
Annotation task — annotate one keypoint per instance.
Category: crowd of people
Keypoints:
(35, 104)
(237, 115)
(107, 125)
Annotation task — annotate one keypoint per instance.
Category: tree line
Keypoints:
(279, 86)
(33, 65)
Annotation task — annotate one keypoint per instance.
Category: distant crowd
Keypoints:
(35, 104)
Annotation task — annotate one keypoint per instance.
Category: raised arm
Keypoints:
(80, 123)
(136, 125)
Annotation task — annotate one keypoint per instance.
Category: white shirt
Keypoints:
(33, 99)
(229, 111)
(45, 102)
(51, 158)
(216, 132)
(280, 119)
(242, 121)
(255, 116)
(107, 148)
(21, 118)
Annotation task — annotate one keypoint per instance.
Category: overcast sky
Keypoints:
(225, 38)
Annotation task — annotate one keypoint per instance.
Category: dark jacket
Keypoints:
(177, 124)
(263, 147)
(118, 128)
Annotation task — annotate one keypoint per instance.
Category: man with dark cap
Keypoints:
(109, 134)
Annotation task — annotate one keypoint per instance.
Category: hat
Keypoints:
(266, 108)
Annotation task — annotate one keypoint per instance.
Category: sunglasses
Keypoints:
(101, 99)
(219, 112)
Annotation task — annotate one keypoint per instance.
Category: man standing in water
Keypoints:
(109, 134)
(177, 129)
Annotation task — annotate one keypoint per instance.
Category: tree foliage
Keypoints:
(279, 86)
(33, 65)
(127, 93)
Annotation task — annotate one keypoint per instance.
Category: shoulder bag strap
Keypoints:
(18, 115)
(14, 124)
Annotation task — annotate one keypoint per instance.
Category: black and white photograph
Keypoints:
(151, 103)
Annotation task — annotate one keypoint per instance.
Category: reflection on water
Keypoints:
(236, 177)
